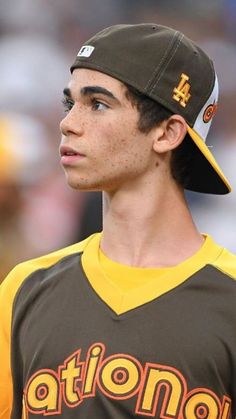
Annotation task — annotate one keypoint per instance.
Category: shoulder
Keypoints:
(226, 263)
(8, 291)
(13, 283)
(21, 272)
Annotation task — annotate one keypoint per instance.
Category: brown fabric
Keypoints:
(153, 59)
(186, 336)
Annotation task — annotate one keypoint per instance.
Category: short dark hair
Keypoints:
(152, 113)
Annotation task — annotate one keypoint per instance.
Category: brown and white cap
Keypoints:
(168, 67)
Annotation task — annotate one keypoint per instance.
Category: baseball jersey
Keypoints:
(76, 344)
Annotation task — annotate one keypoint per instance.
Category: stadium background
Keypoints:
(38, 41)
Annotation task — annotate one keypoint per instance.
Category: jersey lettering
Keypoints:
(157, 388)
(70, 374)
(157, 378)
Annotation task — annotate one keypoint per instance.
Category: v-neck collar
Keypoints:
(119, 301)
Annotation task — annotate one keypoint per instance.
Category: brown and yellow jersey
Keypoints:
(84, 337)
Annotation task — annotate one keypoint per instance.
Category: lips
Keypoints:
(69, 155)
(68, 151)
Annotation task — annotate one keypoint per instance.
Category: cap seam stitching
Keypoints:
(169, 60)
(114, 73)
(165, 56)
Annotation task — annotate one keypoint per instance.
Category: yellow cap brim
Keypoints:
(211, 179)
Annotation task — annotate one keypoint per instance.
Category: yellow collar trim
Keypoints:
(120, 301)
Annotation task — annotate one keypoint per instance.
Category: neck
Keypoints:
(149, 227)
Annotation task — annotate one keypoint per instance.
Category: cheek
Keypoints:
(109, 139)
(119, 144)
(127, 155)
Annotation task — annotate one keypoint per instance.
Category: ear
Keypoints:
(170, 134)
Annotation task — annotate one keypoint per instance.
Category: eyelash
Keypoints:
(68, 104)
(96, 102)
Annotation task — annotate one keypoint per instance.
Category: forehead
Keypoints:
(82, 77)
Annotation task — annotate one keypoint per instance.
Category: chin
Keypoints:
(83, 185)
(90, 184)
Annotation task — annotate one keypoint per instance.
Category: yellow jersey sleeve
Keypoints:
(8, 291)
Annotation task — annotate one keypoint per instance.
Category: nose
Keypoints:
(71, 124)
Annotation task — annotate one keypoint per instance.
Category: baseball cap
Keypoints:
(165, 65)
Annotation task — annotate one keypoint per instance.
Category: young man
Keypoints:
(138, 321)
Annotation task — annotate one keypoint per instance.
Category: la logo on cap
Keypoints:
(182, 91)
(85, 51)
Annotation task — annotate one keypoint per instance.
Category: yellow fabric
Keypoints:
(143, 285)
(121, 301)
(8, 290)
(226, 263)
(125, 277)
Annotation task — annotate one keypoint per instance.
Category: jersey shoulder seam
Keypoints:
(17, 277)
(51, 259)
(226, 264)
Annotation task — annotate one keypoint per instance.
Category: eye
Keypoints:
(97, 105)
(67, 103)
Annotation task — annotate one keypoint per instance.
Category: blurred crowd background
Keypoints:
(39, 40)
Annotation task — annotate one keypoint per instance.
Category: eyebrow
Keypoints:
(91, 90)
(67, 92)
